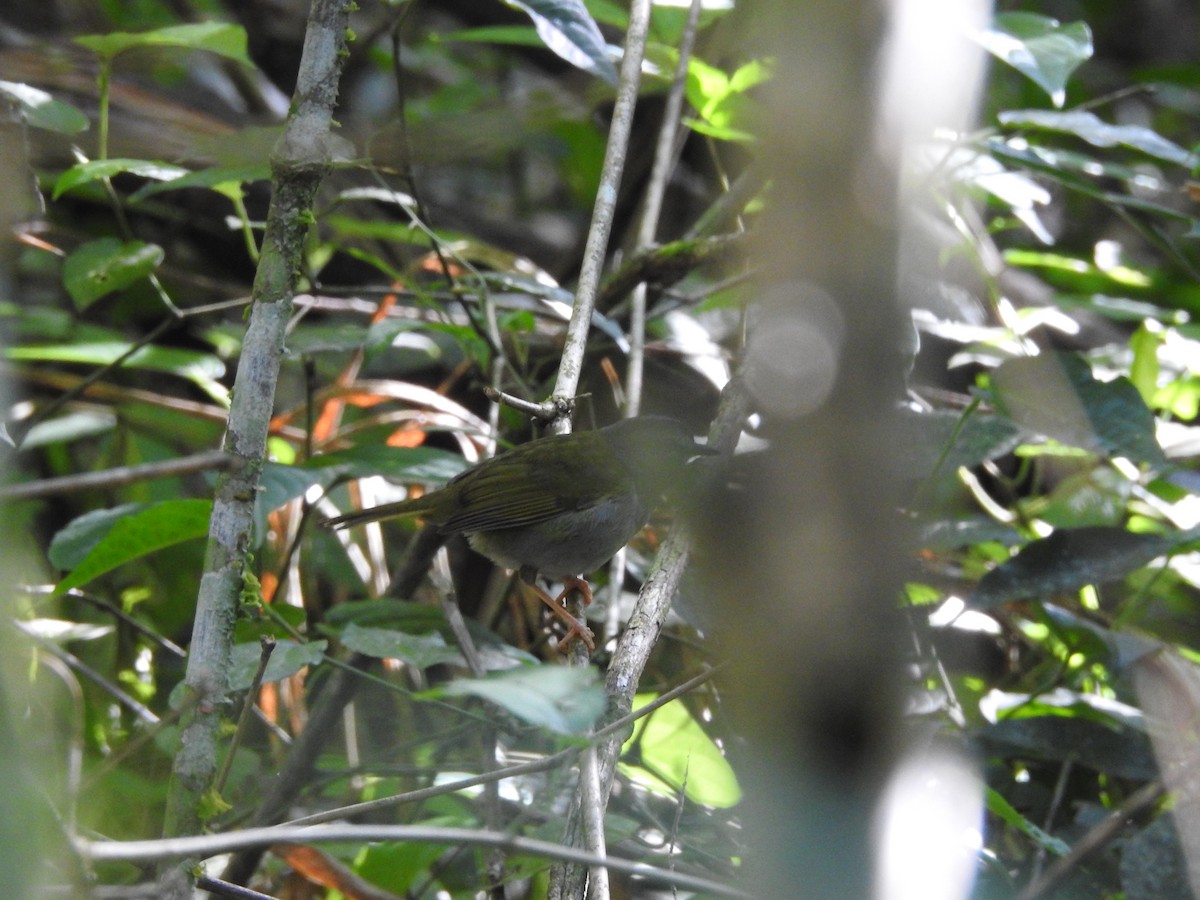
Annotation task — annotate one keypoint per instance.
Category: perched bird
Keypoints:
(562, 505)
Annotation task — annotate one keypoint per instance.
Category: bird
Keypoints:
(560, 506)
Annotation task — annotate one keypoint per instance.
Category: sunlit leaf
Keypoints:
(202, 369)
(73, 426)
(567, 29)
(563, 699)
(43, 111)
(1091, 128)
(673, 752)
(225, 180)
(96, 169)
(1039, 47)
(220, 38)
(1056, 395)
(60, 631)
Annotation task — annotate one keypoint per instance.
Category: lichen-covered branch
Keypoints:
(298, 163)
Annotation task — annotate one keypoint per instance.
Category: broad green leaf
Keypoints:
(511, 35)
(940, 442)
(1056, 395)
(226, 180)
(96, 169)
(1118, 753)
(220, 38)
(1144, 370)
(567, 29)
(674, 752)
(1091, 128)
(43, 111)
(424, 465)
(135, 535)
(202, 369)
(1040, 48)
(74, 541)
(404, 615)
(725, 108)
(1095, 497)
(288, 658)
(563, 699)
(1069, 559)
(420, 650)
(101, 267)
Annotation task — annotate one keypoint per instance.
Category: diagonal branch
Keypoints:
(299, 162)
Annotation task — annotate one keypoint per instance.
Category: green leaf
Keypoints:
(405, 615)
(72, 543)
(721, 100)
(73, 426)
(1069, 559)
(1091, 128)
(420, 650)
(288, 658)
(674, 752)
(1143, 372)
(226, 180)
(1005, 811)
(202, 369)
(568, 30)
(563, 699)
(116, 541)
(99, 268)
(220, 38)
(424, 465)
(1056, 395)
(43, 111)
(1040, 48)
(1095, 497)
(511, 35)
(96, 169)
(949, 440)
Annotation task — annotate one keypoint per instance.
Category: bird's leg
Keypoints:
(576, 628)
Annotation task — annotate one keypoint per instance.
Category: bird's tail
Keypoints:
(414, 507)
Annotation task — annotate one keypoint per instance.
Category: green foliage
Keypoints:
(228, 41)
(564, 700)
(1051, 466)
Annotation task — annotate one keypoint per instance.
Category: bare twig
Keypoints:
(596, 246)
(540, 765)
(1099, 836)
(119, 476)
(267, 644)
(212, 844)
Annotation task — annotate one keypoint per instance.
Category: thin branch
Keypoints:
(540, 765)
(212, 844)
(119, 476)
(267, 648)
(1099, 836)
(596, 247)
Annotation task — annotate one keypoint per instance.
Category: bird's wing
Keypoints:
(524, 490)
